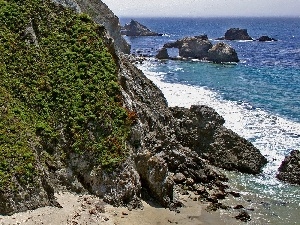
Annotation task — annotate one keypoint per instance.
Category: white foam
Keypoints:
(273, 135)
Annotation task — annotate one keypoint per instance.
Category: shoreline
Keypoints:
(263, 206)
(88, 209)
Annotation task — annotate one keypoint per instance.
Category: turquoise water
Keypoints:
(262, 92)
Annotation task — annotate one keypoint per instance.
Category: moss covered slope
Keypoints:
(59, 93)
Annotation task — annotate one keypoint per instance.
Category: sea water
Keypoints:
(259, 97)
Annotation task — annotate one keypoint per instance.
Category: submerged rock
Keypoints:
(222, 53)
(266, 38)
(289, 170)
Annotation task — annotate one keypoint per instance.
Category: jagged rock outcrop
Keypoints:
(236, 34)
(102, 15)
(289, 169)
(153, 137)
(134, 28)
(29, 197)
(201, 128)
(266, 38)
(162, 54)
(200, 47)
(192, 47)
(72, 4)
(222, 53)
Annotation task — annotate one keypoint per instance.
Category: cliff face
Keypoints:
(101, 14)
(76, 114)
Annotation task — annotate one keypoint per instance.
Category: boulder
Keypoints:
(289, 170)
(162, 53)
(266, 38)
(237, 34)
(222, 53)
(192, 47)
(201, 129)
(135, 28)
(153, 170)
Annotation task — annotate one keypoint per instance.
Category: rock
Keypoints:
(220, 195)
(235, 194)
(69, 4)
(29, 35)
(102, 15)
(199, 47)
(243, 216)
(289, 171)
(237, 34)
(134, 28)
(179, 178)
(192, 47)
(222, 53)
(162, 53)
(238, 207)
(266, 38)
(154, 172)
(201, 129)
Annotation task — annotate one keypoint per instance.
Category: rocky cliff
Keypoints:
(101, 14)
(76, 114)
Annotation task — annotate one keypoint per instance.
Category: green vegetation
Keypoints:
(58, 93)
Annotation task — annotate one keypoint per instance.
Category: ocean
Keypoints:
(259, 97)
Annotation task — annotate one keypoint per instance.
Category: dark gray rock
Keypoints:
(162, 54)
(266, 38)
(199, 47)
(289, 170)
(201, 129)
(135, 28)
(195, 48)
(222, 53)
(243, 216)
(237, 34)
(192, 47)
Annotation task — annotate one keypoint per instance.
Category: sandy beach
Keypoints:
(88, 209)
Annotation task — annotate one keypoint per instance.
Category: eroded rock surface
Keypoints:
(222, 53)
(134, 28)
(289, 170)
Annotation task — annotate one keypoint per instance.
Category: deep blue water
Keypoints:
(263, 89)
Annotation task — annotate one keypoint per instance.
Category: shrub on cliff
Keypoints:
(59, 93)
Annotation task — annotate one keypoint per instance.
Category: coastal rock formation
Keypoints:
(236, 34)
(266, 38)
(162, 53)
(222, 53)
(201, 128)
(102, 15)
(199, 47)
(134, 28)
(153, 137)
(192, 47)
(289, 170)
